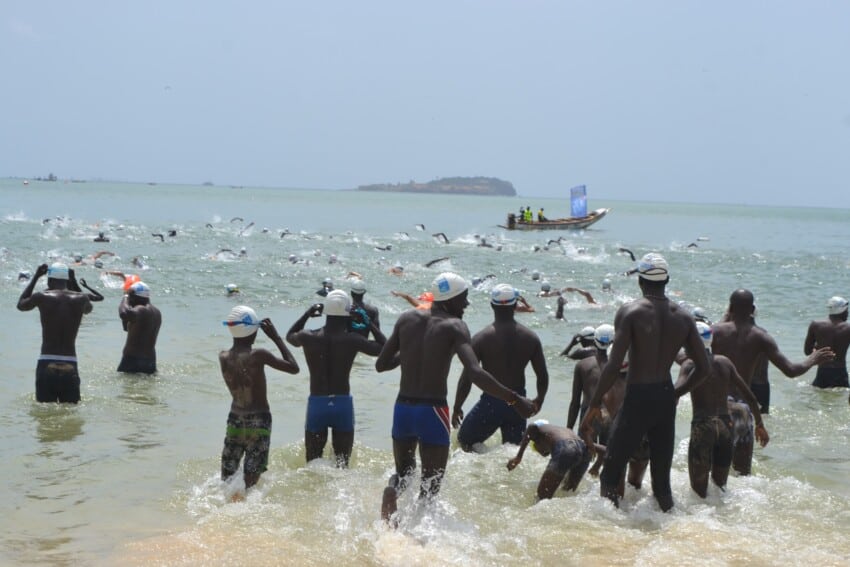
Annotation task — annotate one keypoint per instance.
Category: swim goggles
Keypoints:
(245, 320)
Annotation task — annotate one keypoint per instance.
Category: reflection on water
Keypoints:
(55, 423)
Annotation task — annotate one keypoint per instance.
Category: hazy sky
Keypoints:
(731, 102)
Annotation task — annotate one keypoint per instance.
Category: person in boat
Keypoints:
(835, 333)
(540, 216)
(528, 216)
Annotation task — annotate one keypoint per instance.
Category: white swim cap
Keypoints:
(545, 286)
(447, 285)
(140, 289)
(705, 333)
(653, 267)
(836, 305)
(58, 271)
(603, 336)
(328, 282)
(358, 286)
(504, 294)
(539, 422)
(587, 333)
(337, 303)
(242, 322)
(231, 288)
(606, 284)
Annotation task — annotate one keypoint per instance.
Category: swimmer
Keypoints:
(588, 370)
(744, 343)
(442, 236)
(606, 285)
(101, 238)
(61, 311)
(569, 457)
(249, 422)
(585, 339)
(158, 235)
(142, 321)
(651, 330)
(423, 302)
(505, 348)
(369, 314)
(628, 252)
(172, 232)
(420, 227)
(710, 445)
(327, 287)
(384, 248)
(231, 289)
(397, 269)
(436, 261)
(423, 343)
(330, 353)
(834, 333)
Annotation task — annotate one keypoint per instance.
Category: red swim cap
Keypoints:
(130, 280)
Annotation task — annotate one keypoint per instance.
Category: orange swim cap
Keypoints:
(130, 280)
(426, 296)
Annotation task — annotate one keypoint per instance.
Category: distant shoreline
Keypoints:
(486, 186)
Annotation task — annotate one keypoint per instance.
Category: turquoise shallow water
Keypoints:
(130, 475)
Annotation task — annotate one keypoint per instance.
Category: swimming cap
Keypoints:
(232, 288)
(98, 264)
(447, 286)
(504, 294)
(328, 282)
(836, 305)
(337, 303)
(242, 322)
(130, 280)
(426, 296)
(587, 333)
(653, 267)
(545, 286)
(539, 422)
(704, 333)
(606, 284)
(358, 286)
(535, 275)
(58, 271)
(604, 335)
(140, 289)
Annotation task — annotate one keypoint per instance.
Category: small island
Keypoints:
(449, 185)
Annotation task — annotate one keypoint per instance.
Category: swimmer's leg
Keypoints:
(698, 468)
(637, 470)
(314, 444)
(742, 458)
(549, 482)
(343, 442)
(434, 459)
(404, 452)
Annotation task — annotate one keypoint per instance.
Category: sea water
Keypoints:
(130, 476)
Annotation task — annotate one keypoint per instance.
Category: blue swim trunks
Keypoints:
(425, 420)
(488, 415)
(336, 412)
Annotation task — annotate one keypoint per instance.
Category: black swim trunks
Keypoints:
(488, 415)
(248, 435)
(711, 442)
(831, 378)
(57, 380)
(137, 364)
(762, 393)
(568, 454)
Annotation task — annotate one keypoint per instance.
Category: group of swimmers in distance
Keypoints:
(623, 396)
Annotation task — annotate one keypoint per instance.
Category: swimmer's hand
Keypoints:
(269, 329)
(761, 435)
(822, 355)
(457, 417)
(524, 407)
(316, 309)
(586, 428)
(512, 463)
(41, 270)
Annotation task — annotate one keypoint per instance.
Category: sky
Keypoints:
(689, 101)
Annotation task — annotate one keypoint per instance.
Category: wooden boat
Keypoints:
(572, 223)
